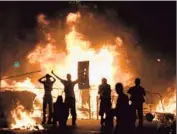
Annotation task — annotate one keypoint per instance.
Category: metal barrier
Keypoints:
(90, 111)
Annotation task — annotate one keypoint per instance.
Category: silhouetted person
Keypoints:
(137, 98)
(105, 98)
(47, 99)
(69, 95)
(109, 124)
(122, 110)
(60, 113)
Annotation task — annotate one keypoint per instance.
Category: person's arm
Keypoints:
(57, 77)
(53, 79)
(109, 90)
(76, 81)
(99, 90)
(40, 80)
(144, 92)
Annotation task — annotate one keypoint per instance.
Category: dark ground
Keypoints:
(88, 127)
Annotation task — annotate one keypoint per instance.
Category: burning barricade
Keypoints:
(105, 61)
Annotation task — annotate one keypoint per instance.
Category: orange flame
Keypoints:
(23, 119)
(104, 62)
(168, 104)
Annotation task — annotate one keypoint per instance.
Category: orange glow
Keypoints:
(168, 104)
(104, 62)
(23, 119)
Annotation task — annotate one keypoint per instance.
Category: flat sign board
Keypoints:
(83, 75)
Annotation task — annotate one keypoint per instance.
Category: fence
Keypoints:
(92, 113)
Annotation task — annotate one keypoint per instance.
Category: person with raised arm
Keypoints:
(47, 99)
(69, 95)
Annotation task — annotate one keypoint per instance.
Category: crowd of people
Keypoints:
(125, 110)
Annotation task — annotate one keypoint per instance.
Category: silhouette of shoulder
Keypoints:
(136, 90)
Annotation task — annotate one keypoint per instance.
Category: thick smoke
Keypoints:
(103, 27)
(98, 28)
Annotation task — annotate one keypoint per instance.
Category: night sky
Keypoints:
(154, 22)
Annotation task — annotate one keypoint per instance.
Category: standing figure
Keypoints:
(60, 112)
(105, 98)
(47, 99)
(123, 112)
(69, 95)
(137, 98)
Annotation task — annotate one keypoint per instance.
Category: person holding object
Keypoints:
(69, 95)
(47, 99)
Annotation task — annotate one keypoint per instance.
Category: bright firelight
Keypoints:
(104, 62)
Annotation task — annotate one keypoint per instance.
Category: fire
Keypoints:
(104, 62)
(168, 104)
(73, 17)
(23, 119)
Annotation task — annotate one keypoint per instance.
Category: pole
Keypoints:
(21, 74)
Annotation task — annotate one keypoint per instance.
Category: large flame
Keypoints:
(104, 62)
(168, 103)
(23, 119)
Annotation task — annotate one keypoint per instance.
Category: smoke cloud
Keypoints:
(98, 28)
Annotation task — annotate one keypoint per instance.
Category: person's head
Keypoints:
(137, 81)
(104, 81)
(59, 99)
(47, 76)
(119, 88)
(68, 76)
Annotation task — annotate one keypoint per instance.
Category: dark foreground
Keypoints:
(89, 127)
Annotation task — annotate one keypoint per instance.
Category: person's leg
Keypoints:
(140, 115)
(101, 112)
(44, 110)
(73, 112)
(54, 119)
(60, 122)
(102, 119)
(50, 109)
(67, 109)
(108, 109)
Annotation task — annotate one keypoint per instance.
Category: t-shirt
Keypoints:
(105, 91)
(68, 88)
(137, 94)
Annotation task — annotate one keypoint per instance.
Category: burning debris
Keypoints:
(168, 104)
(24, 120)
(105, 61)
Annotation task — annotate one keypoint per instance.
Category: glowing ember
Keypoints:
(158, 60)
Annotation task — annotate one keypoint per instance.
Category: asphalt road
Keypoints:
(89, 127)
